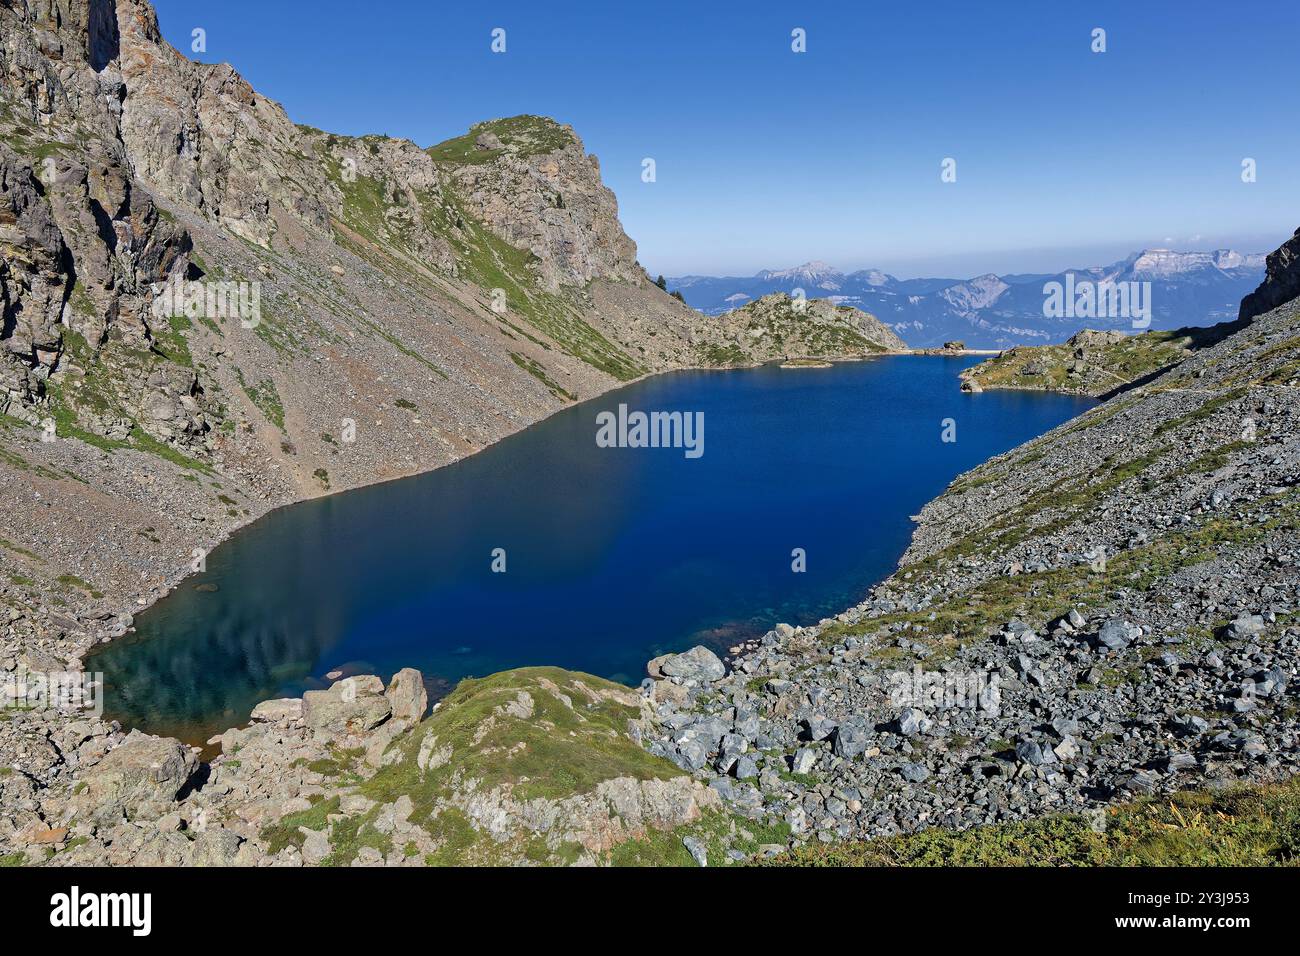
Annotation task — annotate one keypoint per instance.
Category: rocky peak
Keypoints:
(1281, 283)
(531, 181)
(977, 293)
(814, 273)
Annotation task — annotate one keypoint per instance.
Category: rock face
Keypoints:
(1281, 283)
(542, 194)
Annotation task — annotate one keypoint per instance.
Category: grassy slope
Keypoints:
(1248, 826)
(570, 738)
(377, 223)
(1106, 368)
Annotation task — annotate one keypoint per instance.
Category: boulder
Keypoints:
(914, 772)
(282, 710)
(141, 774)
(1117, 634)
(407, 696)
(315, 846)
(215, 846)
(805, 758)
(1032, 753)
(851, 737)
(911, 722)
(696, 849)
(1246, 626)
(352, 706)
(698, 664)
(819, 728)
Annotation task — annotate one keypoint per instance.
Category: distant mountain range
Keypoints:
(991, 311)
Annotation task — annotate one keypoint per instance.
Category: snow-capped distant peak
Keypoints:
(812, 272)
(1230, 259)
(1163, 263)
(873, 277)
(974, 294)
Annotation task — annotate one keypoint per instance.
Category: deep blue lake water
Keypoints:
(612, 555)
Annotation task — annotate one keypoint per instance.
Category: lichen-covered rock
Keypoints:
(697, 664)
(407, 696)
(137, 778)
(351, 706)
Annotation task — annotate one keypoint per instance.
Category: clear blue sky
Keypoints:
(767, 158)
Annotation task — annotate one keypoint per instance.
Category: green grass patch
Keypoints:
(1246, 826)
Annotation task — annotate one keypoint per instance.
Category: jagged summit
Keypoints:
(1281, 282)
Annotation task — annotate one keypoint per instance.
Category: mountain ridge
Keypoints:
(1000, 311)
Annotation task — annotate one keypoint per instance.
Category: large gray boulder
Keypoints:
(407, 696)
(138, 778)
(698, 664)
(851, 737)
(282, 710)
(1117, 634)
(352, 706)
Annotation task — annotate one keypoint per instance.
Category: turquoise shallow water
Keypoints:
(612, 555)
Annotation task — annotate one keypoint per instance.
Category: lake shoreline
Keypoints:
(849, 558)
(173, 584)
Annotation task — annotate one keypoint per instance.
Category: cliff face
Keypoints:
(1281, 283)
(105, 124)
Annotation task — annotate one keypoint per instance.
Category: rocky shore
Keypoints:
(1105, 612)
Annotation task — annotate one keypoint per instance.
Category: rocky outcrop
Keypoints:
(1281, 283)
(541, 193)
(33, 284)
(139, 778)
(1090, 362)
(780, 327)
(356, 775)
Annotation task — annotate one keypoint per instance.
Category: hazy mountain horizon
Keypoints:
(992, 310)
